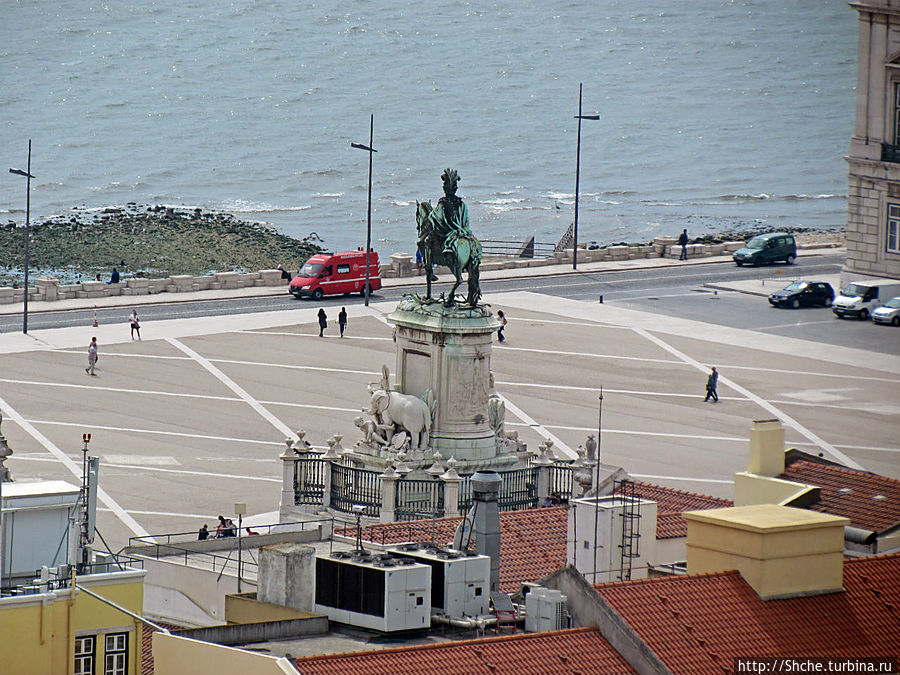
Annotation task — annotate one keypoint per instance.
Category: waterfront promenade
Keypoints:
(192, 419)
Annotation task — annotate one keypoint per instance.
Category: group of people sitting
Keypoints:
(225, 528)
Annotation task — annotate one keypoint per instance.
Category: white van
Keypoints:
(860, 298)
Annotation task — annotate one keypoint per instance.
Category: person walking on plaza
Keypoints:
(323, 321)
(92, 357)
(711, 383)
(342, 320)
(502, 317)
(135, 324)
(683, 242)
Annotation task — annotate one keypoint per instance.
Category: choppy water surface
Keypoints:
(714, 114)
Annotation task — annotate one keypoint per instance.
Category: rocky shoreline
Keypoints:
(156, 242)
(145, 241)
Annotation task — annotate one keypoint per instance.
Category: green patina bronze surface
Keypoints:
(445, 238)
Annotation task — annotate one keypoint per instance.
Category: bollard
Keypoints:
(601, 299)
(96, 323)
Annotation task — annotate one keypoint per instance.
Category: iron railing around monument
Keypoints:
(518, 490)
(351, 486)
(309, 481)
(419, 499)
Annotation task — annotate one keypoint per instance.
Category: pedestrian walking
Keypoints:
(711, 383)
(342, 320)
(135, 324)
(323, 321)
(418, 261)
(502, 317)
(683, 242)
(92, 357)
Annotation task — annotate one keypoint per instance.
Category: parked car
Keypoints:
(803, 294)
(889, 312)
(862, 297)
(336, 273)
(768, 248)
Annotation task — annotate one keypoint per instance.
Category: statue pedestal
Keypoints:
(448, 350)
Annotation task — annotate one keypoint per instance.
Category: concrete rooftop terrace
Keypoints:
(192, 419)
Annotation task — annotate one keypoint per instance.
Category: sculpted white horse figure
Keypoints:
(403, 410)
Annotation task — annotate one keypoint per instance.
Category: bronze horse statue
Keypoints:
(461, 252)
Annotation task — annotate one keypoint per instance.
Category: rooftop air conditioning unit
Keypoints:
(460, 580)
(378, 592)
(545, 610)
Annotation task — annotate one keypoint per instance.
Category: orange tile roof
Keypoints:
(849, 493)
(532, 541)
(671, 503)
(579, 650)
(699, 623)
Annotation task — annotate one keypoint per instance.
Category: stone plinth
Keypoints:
(448, 350)
(48, 288)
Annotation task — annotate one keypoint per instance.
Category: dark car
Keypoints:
(803, 293)
(765, 249)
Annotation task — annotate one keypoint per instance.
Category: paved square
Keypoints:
(192, 419)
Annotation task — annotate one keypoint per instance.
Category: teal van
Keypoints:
(768, 248)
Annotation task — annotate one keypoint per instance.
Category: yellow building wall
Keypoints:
(173, 655)
(37, 633)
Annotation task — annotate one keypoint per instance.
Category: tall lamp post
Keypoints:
(368, 148)
(240, 509)
(579, 117)
(28, 177)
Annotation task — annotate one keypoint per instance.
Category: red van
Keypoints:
(336, 274)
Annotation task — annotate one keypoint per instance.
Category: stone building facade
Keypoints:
(873, 220)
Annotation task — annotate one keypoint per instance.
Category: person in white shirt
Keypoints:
(92, 357)
(135, 324)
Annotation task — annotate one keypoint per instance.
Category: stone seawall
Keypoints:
(401, 265)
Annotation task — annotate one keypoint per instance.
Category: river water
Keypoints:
(713, 114)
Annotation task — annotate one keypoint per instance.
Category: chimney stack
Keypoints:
(780, 551)
(766, 448)
(485, 497)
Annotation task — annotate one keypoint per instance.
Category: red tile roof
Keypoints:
(532, 541)
(700, 623)
(580, 650)
(671, 503)
(849, 493)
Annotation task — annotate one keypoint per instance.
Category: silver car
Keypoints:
(889, 312)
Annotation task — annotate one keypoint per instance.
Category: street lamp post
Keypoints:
(28, 177)
(579, 117)
(368, 148)
(240, 508)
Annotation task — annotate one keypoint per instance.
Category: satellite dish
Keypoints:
(463, 533)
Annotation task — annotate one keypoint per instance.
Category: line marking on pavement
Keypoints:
(557, 352)
(180, 434)
(627, 432)
(198, 516)
(540, 429)
(147, 392)
(790, 325)
(183, 395)
(234, 386)
(74, 468)
(347, 337)
(787, 419)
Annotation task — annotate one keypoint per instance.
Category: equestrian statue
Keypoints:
(445, 238)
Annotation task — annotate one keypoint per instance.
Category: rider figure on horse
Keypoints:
(448, 220)
(445, 238)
